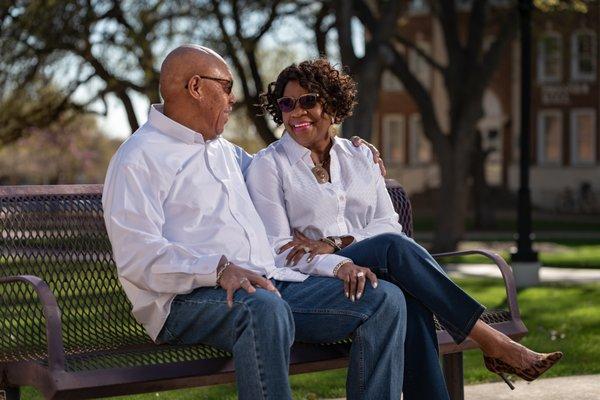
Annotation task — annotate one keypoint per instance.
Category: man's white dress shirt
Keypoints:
(173, 206)
(287, 195)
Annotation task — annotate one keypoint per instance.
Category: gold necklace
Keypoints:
(320, 172)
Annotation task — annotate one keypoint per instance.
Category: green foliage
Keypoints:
(574, 255)
(33, 106)
(68, 150)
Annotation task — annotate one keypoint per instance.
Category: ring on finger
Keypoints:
(305, 248)
(360, 274)
(243, 280)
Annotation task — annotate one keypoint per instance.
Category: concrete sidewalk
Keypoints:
(584, 387)
(547, 274)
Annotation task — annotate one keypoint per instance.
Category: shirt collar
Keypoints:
(296, 151)
(293, 150)
(172, 128)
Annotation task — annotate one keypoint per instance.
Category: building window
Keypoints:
(549, 135)
(583, 57)
(394, 139)
(390, 82)
(583, 136)
(420, 147)
(549, 57)
(418, 7)
(419, 66)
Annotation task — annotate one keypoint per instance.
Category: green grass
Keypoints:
(565, 317)
(423, 223)
(576, 256)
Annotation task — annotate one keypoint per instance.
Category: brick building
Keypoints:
(564, 114)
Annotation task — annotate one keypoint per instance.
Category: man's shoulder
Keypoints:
(147, 144)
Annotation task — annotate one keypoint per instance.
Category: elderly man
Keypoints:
(186, 238)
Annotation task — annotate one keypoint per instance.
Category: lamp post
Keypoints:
(525, 260)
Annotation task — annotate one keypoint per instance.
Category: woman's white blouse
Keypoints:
(287, 195)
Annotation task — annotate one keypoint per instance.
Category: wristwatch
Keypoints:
(337, 241)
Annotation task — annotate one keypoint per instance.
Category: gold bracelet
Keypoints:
(339, 265)
(220, 273)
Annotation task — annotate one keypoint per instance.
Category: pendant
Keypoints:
(320, 173)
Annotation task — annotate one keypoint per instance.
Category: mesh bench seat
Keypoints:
(66, 326)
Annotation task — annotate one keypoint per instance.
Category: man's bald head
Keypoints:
(184, 62)
(195, 84)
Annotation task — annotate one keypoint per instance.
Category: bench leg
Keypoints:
(453, 373)
(10, 393)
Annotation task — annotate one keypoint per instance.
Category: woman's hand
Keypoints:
(354, 278)
(302, 245)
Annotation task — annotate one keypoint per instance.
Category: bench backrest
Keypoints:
(57, 233)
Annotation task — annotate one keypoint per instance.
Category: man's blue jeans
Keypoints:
(260, 328)
(428, 291)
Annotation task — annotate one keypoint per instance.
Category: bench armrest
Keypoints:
(505, 270)
(56, 351)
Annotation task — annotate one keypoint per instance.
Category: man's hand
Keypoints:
(354, 278)
(234, 278)
(358, 141)
(301, 245)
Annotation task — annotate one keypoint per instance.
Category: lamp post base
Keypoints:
(527, 273)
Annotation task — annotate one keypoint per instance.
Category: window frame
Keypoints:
(541, 137)
(576, 74)
(574, 135)
(542, 76)
(385, 137)
(413, 153)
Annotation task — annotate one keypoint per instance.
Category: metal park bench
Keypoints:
(65, 323)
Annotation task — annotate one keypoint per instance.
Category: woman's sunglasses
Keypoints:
(306, 102)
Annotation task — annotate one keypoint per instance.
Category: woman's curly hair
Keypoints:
(336, 89)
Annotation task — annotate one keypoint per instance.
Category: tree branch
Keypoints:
(320, 33)
(477, 23)
(492, 56)
(343, 24)
(268, 23)
(420, 95)
(408, 43)
(446, 15)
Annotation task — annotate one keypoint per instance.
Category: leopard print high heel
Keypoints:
(533, 371)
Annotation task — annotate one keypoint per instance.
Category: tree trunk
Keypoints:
(260, 122)
(452, 202)
(129, 110)
(484, 212)
(368, 78)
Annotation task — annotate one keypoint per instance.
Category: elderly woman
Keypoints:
(317, 194)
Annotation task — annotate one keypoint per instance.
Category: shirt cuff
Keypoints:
(326, 263)
(203, 279)
(357, 236)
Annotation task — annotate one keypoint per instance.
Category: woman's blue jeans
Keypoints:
(428, 291)
(260, 328)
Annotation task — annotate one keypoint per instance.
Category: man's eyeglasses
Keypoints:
(306, 102)
(226, 84)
